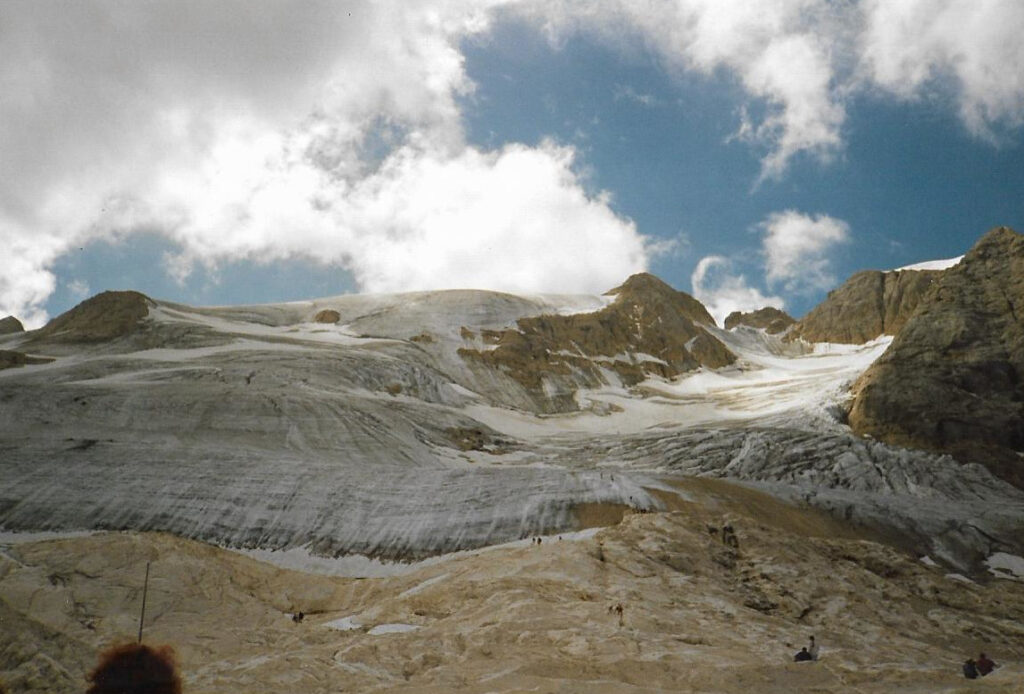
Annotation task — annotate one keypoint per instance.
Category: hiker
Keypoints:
(984, 665)
(619, 611)
(298, 617)
(970, 669)
(802, 656)
(135, 669)
(813, 650)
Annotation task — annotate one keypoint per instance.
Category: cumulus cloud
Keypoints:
(324, 130)
(716, 285)
(800, 61)
(332, 130)
(796, 249)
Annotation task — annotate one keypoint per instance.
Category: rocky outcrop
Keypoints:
(104, 317)
(10, 359)
(952, 378)
(770, 319)
(10, 325)
(650, 329)
(869, 304)
(327, 316)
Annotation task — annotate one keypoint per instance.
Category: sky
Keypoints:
(750, 153)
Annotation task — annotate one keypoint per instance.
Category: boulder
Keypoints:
(952, 379)
(327, 316)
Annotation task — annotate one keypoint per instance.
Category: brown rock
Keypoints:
(103, 317)
(327, 316)
(951, 380)
(869, 304)
(10, 359)
(769, 319)
(552, 356)
(11, 325)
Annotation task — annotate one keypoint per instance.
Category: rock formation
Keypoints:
(10, 325)
(770, 319)
(649, 329)
(105, 316)
(952, 378)
(869, 304)
(327, 315)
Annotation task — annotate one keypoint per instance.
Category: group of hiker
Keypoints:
(978, 668)
(808, 652)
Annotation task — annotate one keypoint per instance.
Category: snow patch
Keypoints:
(1006, 565)
(396, 628)
(932, 264)
(344, 624)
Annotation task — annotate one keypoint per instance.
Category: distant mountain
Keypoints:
(770, 319)
(953, 378)
(10, 325)
(649, 329)
(869, 304)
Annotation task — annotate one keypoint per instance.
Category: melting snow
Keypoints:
(932, 264)
(344, 624)
(392, 629)
(1006, 565)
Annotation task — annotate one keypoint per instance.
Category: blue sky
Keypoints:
(748, 153)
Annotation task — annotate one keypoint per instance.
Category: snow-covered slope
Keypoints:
(259, 427)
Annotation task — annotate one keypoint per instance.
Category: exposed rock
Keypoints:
(327, 316)
(952, 378)
(869, 304)
(105, 316)
(10, 325)
(769, 319)
(650, 329)
(10, 358)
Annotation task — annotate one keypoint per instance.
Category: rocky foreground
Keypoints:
(699, 615)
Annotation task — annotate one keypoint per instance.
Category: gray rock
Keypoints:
(952, 378)
(10, 325)
(770, 319)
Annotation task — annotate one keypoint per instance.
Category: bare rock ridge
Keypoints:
(105, 316)
(952, 378)
(650, 328)
(770, 319)
(10, 325)
(869, 304)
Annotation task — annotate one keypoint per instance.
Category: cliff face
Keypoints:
(951, 380)
(770, 319)
(650, 329)
(869, 304)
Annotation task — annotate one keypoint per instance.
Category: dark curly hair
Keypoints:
(136, 669)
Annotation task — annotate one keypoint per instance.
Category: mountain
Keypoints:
(951, 380)
(429, 434)
(9, 325)
(648, 329)
(770, 319)
(869, 304)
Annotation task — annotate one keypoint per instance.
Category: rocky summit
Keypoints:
(869, 304)
(770, 319)
(952, 378)
(9, 325)
(485, 492)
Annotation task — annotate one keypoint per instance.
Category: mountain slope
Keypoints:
(869, 304)
(952, 378)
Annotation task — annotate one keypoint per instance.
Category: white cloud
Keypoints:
(801, 60)
(909, 46)
(330, 131)
(716, 285)
(796, 247)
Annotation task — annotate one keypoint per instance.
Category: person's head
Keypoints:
(812, 639)
(804, 649)
(135, 669)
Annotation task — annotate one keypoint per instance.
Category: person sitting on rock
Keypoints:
(984, 665)
(135, 669)
(970, 669)
(802, 656)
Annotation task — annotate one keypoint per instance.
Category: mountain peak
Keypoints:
(107, 315)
